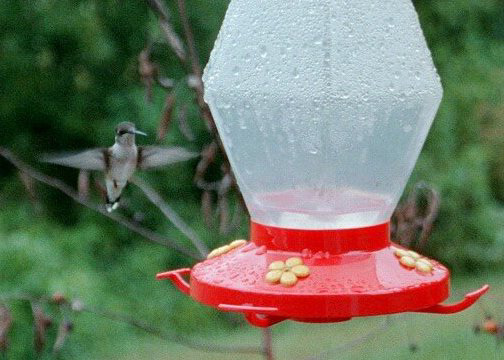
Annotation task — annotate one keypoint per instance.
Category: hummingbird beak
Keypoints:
(138, 132)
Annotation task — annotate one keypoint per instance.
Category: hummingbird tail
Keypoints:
(112, 205)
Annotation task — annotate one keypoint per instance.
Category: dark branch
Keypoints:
(268, 344)
(176, 338)
(171, 215)
(353, 343)
(67, 190)
(171, 36)
(76, 306)
(196, 68)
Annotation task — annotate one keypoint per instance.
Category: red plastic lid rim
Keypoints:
(334, 241)
(353, 272)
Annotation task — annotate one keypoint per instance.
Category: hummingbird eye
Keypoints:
(122, 132)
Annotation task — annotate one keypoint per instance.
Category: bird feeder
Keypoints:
(323, 108)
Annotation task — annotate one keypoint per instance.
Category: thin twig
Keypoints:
(29, 187)
(171, 215)
(5, 325)
(166, 117)
(432, 211)
(148, 71)
(76, 306)
(191, 44)
(223, 202)
(268, 344)
(236, 219)
(164, 22)
(412, 222)
(64, 329)
(183, 124)
(65, 326)
(353, 343)
(83, 184)
(41, 322)
(176, 338)
(196, 68)
(67, 190)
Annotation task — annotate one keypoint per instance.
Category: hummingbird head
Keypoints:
(125, 133)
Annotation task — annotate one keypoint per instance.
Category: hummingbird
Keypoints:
(120, 161)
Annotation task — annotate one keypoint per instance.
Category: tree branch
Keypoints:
(76, 306)
(171, 215)
(196, 68)
(193, 53)
(179, 339)
(268, 344)
(353, 343)
(67, 190)
(171, 36)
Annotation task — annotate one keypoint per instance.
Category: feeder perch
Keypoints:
(323, 108)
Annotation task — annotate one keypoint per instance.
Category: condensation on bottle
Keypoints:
(323, 107)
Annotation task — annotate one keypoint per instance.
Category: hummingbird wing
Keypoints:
(93, 159)
(153, 156)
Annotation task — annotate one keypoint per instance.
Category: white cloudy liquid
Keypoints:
(338, 209)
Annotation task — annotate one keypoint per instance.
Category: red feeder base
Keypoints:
(352, 272)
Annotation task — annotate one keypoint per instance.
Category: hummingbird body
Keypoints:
(120, 161)
(122, 164)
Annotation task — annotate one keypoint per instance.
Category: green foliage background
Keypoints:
(68, 75)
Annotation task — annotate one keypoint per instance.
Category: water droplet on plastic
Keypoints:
(263, 51)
